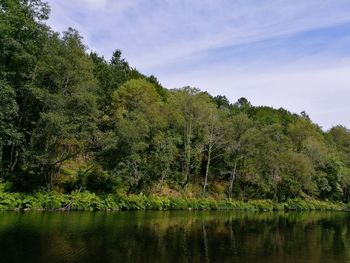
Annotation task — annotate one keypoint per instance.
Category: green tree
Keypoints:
(63, 92)
(214, 135)
(237, 137)
(8, 112)
(339, 137)
(22, 37)
(139, 118)
(190, 114)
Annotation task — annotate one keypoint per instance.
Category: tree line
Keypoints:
(70, 120)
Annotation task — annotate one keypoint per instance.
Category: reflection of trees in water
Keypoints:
(175, 237)
(205, 244)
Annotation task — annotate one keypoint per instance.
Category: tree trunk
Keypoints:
(205, 243)
(1, 149)
(11, 156)
(233, 176)
(188, 152)
(164, 174)
(274, 178)
(210, 150)
(13, 165)
(207, 169)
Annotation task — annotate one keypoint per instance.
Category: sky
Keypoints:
(279, 53)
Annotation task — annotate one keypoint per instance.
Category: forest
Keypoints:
(73, 121)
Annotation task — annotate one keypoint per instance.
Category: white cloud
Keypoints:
(155, 33)
(173, 39)
(322, 93)
(94, 3)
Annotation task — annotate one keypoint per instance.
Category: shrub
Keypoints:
(91, 201)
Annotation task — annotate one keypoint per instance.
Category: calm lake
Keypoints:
(177, 236)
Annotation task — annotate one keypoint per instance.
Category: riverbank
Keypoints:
(86, 201)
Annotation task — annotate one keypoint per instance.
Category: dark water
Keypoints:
(175, 237)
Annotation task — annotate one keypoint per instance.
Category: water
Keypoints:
(185, 236)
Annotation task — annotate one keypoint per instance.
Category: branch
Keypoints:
(66, 158)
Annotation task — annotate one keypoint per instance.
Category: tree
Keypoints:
(189, 114)
(222, 102)
(213, 138)
(139, 118)
(8, 112)
(237, 138)
(163, 156)
(339, 137)
(22, 36)
(63, 95)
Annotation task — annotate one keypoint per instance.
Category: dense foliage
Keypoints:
(72, 121)
(86, 201)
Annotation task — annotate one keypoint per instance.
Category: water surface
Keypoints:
(182, 236)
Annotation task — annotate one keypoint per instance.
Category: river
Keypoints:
(175, 236)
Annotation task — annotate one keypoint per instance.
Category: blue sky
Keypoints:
(280, 53)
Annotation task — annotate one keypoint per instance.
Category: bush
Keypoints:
(91, 201)
(10, 201)
(301, 205)
(86, 201)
